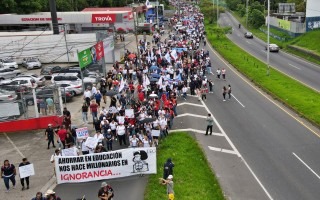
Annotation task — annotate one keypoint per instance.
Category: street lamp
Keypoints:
(268, 40)
(217, 12)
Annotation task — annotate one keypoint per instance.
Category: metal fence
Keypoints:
(27, 103)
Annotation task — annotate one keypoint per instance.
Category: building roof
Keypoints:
(107, 9)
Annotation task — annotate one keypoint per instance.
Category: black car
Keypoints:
(46, 93)
(49, 70)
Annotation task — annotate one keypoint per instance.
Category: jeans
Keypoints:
(94, 115)
(209, 70)
(6, 181)
(122, 138)
(85, 117)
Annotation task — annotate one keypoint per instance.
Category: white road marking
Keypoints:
(294, 66)
(222, 150)
(248, 42)
(191, 104)
(305, 164)
(192, 115)
(195, 130)
(14, 146)
(237, 100)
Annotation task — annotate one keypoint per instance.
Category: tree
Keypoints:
(241, 10)
(7, 6)
(256, 5)
(256, 18)
(233, 4)
(27, 6)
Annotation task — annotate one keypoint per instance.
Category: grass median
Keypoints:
(193, 178)
(292, 93)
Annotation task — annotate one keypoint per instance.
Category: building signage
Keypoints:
(103, 18)
(32, 19)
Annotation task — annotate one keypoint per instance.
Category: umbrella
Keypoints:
(153, 96)
(154, 67)
(154, 80)
(147, 120)
(131, 56)
(155, 75)
(111, 93)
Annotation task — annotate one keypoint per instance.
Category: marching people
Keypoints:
(229, 91)
(224, 92)
(169, 183)
(209, 124)
(23, 163)
(39, 196)
(67, 118)
(49, 133)
(105, 192)
(223, 72)
(51, 195)
(168, 168)
(8, 173)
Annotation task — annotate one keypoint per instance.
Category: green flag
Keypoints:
(84, 58)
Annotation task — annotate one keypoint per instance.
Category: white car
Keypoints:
(26, 81)
(8, 73)
(73, 88)
(273, 48)
(40, 80)
(7, 95)
(31, 63)
(8, 63)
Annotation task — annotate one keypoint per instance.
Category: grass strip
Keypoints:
(193, 178)
(293, 94)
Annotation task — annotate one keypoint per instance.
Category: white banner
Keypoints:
(101, 166)
(26, 171)
(69, 151)
(82, 133)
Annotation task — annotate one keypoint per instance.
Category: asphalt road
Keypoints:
(281, 149)
(299, 69)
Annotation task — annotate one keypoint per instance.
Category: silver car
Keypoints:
(8, 73)
(8, 63)
(6, 95)
(273, 48)
(31, 63)
(40, 80)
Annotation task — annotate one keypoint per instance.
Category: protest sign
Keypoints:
(155, 133)
(69, 152)
(120, 119)
(82, 133)
(107, 165)
(113, 110)
(129, 113)
(91, 142)
(26, 171)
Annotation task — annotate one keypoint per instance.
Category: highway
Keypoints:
(299, 69)
(281, 149)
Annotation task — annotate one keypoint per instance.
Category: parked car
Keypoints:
(26, 81)
(248, 35)
(40, 80)
(18, 89)
(76, 69)
(73, 88)
(8, 73)
(273, 48)
(45, 93)
(47, 71)
(6, 95)
(72, 78)
(31, 63)
(8, 63)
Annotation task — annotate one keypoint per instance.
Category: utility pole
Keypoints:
(217, 12)
(54, 18)
(137, 42)
(158, 15)
(268, 42)
(65, 39)
(247, 2)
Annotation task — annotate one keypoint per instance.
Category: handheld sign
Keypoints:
(26, 171)
(91, 142)
(69, 152)
(129, 113)
(82, 133)
(155, 133)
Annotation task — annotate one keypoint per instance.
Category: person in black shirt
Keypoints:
(85, 113)
(105, 192)
(24, 162)
(168, 168)
(66, 118)
(50, 136)
(8, 172)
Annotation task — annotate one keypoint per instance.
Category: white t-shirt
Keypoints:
(53, 156)
(100, 137)
(145, 143)
(87, 94)
(134, 142)
(113, 125)
(121, 130)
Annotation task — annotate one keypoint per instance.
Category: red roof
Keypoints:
(107, 9)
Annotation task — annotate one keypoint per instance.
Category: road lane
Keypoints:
(266, 136)
(303, 71)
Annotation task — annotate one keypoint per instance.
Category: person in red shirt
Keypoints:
(141, 96)
(140, 88)
(94, 110)
(62, 134)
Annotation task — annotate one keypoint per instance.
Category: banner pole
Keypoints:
(83, 89)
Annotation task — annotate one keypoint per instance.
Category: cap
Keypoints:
(104, 184)
(104, 118)
(109, 130)
(100, 144)
(48, 192)
(170, 177)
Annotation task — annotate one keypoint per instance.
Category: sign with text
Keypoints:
(155, 133)
(103, 18)
(69, 151)
(129, 113)
(108, 165)
(26, 171)
(120, 119)
(91, 142)
(85, 58)
(82, 133)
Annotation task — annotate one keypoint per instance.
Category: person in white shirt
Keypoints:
(163, 126)
(84, 148)
(134, 142)
(146, 142)
(121, 133)
(113, 127)
(87, 96)
(94, 89)
(155, 124)
(98, 136)
(184, 92)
